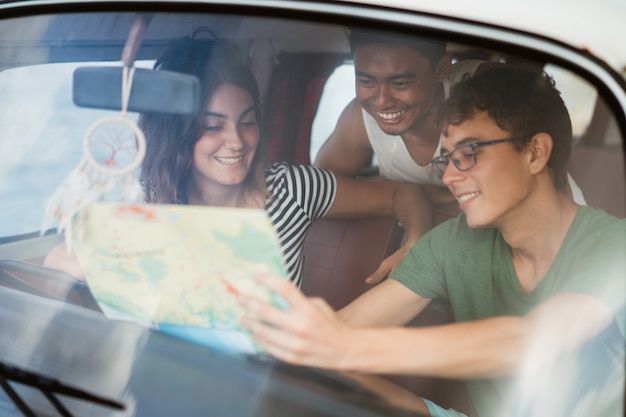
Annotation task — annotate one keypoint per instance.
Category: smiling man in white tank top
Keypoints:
(399, 83)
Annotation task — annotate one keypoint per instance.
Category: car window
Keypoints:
(43, 131)
(124, 284)
(338, 92)
(23, 155)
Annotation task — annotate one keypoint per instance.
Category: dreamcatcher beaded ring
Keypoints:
(113, 149)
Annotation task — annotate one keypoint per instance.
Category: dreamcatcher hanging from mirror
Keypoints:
(113, 150)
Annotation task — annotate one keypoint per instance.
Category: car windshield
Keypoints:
(140, 199)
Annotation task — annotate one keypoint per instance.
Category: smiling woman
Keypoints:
(215, 158)
(231, 122)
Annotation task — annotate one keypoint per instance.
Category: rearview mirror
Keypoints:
(152, 91)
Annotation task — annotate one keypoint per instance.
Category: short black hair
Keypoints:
(522, 102)
(432, 49)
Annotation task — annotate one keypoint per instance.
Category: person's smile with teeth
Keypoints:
(478, 158)
(391, 116)
(229, 160)
(465, 197)
(224, 153)
(395, 84)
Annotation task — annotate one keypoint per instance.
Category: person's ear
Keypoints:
(540, 149)
(442, 69)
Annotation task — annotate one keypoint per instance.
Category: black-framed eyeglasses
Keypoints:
(464, 157)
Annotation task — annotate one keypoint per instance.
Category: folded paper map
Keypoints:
(179, 268)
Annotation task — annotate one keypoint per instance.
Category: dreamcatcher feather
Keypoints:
(96, 178)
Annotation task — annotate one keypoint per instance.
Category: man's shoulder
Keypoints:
(347, 150)
(351, 117)
(591, 220)
(596, 232)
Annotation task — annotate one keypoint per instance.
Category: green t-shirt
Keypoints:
(471, 270)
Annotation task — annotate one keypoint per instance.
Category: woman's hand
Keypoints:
(307, 333)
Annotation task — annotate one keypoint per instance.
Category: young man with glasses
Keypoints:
(535, 281)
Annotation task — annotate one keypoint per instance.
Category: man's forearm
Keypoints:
(413, 210)
(480, 349)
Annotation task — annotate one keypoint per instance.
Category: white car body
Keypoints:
(594, 26)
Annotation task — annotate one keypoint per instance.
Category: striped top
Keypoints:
(298, 196)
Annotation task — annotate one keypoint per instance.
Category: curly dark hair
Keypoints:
(520, 101)
(171, 138)
(432, 49)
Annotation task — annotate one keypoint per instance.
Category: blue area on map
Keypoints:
(225, 340)
(153, 268)
(115, 267)
(254, 246)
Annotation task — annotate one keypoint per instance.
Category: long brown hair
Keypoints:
(171, 138)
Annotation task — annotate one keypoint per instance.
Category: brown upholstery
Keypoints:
(341, 253)
(600, 173)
